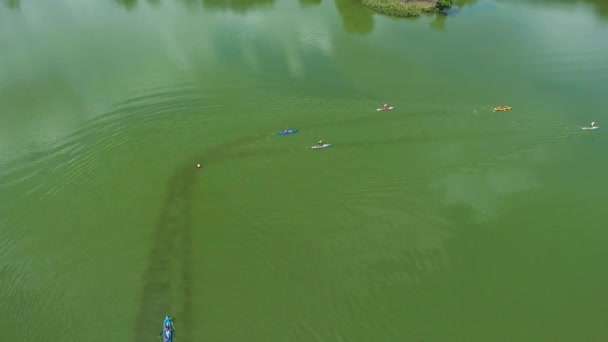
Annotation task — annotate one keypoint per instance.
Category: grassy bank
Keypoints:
(406, 8)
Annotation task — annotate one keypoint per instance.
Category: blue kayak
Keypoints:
(167, 333)
(288, 132)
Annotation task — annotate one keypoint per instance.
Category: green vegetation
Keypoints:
(406, 8)
(442, 4)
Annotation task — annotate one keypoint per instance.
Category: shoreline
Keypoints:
(406, 8)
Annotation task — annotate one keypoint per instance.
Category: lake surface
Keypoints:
(440, 220)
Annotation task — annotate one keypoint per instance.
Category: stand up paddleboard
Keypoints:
(288, 132)
(320, 146)
(590, 127)
(384, 109)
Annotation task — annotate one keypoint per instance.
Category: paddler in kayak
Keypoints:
(286, 129)
(320, 142)
(167, 331)
(593, 124)
(385, 107)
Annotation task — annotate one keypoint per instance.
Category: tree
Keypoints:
(443, 4)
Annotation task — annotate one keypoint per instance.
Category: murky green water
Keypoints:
(438, 221)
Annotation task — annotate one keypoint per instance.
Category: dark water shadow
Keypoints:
(308, 3)
(356, 18)
(236, 6)
(601, 7)
(127, 4)
(174, 224)
(440, 20)
(13, 4)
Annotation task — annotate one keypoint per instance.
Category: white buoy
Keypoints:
(198, 166)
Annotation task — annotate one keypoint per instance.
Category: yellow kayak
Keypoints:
(502, 108)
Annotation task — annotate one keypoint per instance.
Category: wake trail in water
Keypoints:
(77, 155)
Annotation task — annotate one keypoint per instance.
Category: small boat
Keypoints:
(167, 332)
(288, 131)
(384, 109)
(502, 108)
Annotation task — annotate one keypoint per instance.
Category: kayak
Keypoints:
(288, 132)
(167, 334)
(384, 109)
(502, 108)
(590, 127)
(320, 146)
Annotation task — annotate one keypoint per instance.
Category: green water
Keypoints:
(438, 221)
